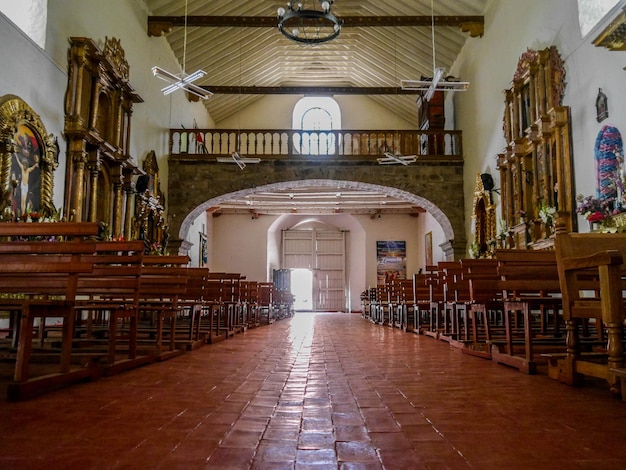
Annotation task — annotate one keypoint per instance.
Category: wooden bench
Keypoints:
(529, 282)
(421, 303)
(213, 311)
(436, 297)
(192, 303)
(54, 230)
(589, 262)
(266, 302)
(163, 283)
(485, 303)
(250, 303)
(406, 304)
(455, 305)
(40, 280)
(107, 302)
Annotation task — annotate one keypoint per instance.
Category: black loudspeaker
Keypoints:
(487, 181)
(142, 183)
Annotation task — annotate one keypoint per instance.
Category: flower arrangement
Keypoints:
(504, 230)
(474, 250)
(594, 209)
(156, 249)
(546, 214)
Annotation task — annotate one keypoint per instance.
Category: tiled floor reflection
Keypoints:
(322, 391)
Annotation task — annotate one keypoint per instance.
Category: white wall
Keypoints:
(489, 64)
(29, 73)
(39, 76)
(275, 111)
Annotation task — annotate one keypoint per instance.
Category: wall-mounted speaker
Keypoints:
(487, 180)
(142, 183)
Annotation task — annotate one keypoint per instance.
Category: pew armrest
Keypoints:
(602, 258)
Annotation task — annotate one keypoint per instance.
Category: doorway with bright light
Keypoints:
(302, 289)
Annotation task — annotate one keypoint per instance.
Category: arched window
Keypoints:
(30, 16)
(591, 12)
(317, 117)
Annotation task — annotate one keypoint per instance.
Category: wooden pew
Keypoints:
(250, 303)
(232, 303)
(396, 303)
(266, 302)
(588, 262)
(436, 296)
(213, 310)
(485, 303)
(283, 303)
(227, 303)
(44, 230)
(406, 304)
(455, 304)
(421, 303)
(107, 302)
(529, 282)
(163, 283)
(190, 332)
(39, 280)
(368, 300)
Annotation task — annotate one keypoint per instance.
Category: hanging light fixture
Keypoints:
(308, 25)
(428, 86)
(391, 157)
(236, 157)
(182, 81)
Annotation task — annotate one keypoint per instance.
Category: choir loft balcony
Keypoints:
(337, 146)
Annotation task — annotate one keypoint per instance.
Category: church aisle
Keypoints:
(320, 391)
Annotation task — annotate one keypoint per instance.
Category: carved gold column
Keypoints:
(92, 204)
(129, 189)
(117, 206)
(95, 106)
(78, 160)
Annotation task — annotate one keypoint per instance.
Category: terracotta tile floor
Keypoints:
(321, 391)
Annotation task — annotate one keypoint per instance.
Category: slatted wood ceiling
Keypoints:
(360, 57)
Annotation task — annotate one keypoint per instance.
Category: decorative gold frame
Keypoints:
(16, 114)
(484, 215)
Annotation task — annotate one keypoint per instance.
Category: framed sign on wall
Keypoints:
(391, 261)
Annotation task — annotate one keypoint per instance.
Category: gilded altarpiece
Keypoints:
(28, 158)
(484, 215)
(98, 108)
(536, 168)
(149, 222)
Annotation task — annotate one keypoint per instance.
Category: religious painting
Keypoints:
(428, 248)
(26, 173)
(28, 157)
(204, 256)
(391, 261)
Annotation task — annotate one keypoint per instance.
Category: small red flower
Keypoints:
(596, 217)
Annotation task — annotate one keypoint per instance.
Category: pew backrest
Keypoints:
(588, 263)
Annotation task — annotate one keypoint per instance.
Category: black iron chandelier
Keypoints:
(308, 26)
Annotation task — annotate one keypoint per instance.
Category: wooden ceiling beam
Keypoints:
(159, 25)
(307, 90)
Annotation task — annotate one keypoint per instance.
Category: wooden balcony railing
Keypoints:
(439, 145)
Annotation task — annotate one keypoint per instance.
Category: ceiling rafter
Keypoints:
(159, 25)
(307, 90)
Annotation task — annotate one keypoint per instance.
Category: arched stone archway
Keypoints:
(437, 187)
(417, 200)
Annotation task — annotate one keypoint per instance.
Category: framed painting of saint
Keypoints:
(28, 158)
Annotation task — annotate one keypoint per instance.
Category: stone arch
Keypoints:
(435, 211)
